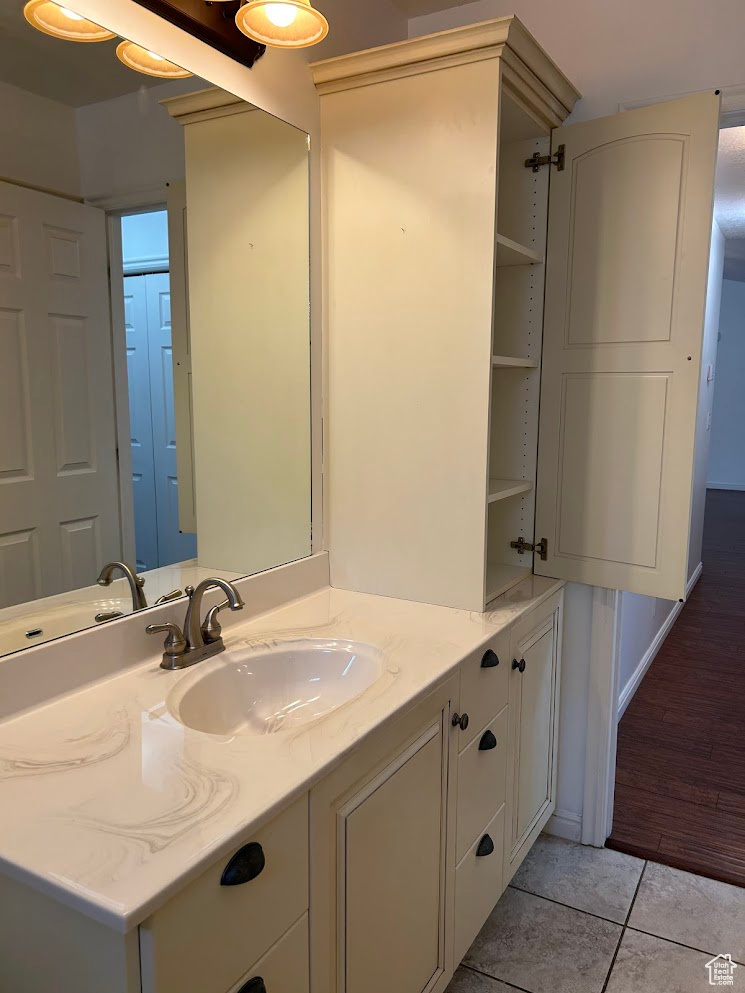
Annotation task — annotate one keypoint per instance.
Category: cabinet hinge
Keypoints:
(524, 546)
(536, 161)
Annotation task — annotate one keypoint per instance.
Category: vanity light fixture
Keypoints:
(56, 20)
(285, 24)
(143, 60)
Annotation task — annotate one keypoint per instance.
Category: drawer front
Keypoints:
(484, 686)
(285, 968)
(478, 886)
(482, 771)
(208, 935)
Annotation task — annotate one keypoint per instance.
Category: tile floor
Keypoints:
(592, 920)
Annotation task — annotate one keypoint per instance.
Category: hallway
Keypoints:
(680, 777)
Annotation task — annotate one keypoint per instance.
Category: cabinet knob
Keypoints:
(255, 985)
(490, 659)
(519, 665)
(488, 741)
(486, 846)
(247, 863)
(460, 720)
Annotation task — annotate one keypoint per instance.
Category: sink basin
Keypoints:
(262, 691)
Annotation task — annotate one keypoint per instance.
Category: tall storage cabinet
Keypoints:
(435, 240)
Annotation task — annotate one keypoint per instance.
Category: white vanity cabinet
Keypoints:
(211, 932)
(382, 846)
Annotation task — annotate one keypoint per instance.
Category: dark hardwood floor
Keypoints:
(680, 776)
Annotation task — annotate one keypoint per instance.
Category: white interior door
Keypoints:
(628, 249)
(59, 504)
(140, 422)
(173, 546)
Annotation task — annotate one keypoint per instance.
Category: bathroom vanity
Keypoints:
(154, 857)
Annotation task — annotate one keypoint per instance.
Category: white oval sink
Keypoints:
(250, 691)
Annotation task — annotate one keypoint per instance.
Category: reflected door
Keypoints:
(150, 368)
(59, 503)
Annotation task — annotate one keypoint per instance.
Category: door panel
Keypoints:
(172, 545)
(627, 261)
(393, 877)
(59, 501)
(140, 422)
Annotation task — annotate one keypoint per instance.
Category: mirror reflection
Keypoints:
(154, 337)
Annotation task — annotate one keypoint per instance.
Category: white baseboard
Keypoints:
(564, 824)
(649, 656)
(725, 486)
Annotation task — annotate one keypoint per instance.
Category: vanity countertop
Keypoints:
(110, 805)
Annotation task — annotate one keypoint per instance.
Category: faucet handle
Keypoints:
(175, 643)
(173, 595)
(211, 627)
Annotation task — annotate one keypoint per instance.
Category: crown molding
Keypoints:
(504, 37)
(204, 105)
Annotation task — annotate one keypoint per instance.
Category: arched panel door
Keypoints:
(630, 219)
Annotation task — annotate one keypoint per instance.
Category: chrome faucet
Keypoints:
(199, 640)
(136, 583)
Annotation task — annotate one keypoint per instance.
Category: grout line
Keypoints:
(568, 906)
(680, 944)
(623, 929)
(488, 975)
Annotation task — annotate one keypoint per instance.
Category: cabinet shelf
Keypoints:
(511, 253)
(500, 578)
(512, 362)
(500, 489)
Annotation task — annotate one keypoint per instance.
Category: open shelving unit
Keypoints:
(516, 347)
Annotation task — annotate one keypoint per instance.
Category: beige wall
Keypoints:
(38, 141)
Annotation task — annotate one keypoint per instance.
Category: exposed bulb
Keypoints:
(280, 14)
(70, 14)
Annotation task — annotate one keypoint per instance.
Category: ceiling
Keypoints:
(413, 8)
(65, 71)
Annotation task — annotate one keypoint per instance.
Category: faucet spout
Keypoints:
(136, 583)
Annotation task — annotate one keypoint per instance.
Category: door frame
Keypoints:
(602, 707)
(116, 207)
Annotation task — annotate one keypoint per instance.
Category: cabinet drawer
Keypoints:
(484, 685)
(482, 770)
(284, 969)
(478, 886)
(208, 935)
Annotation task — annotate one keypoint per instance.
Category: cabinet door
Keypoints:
(534, 702)
(381, 850)
(628, 248)
(391, 836)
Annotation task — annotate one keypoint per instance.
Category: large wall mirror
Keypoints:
(154, 336)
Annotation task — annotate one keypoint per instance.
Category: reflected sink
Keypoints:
(262, 691)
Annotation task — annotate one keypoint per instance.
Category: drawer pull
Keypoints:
(519, 665)
(488, 741)
(486, 846)
(460, 720)
(255, 985)
(490, 659)
(247, 863)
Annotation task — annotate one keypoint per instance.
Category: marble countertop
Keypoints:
(110, 805)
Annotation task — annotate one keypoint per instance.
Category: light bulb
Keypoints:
(281, 14)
